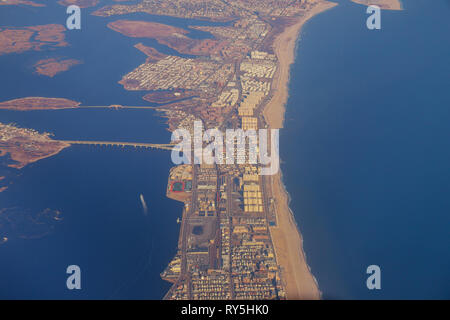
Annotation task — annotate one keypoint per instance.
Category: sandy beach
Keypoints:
(383, 4)
(288, 243)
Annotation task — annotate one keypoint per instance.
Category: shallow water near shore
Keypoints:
(365, 150)
(102, 227)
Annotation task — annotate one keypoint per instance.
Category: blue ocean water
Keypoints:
(365, 150)
(369, 177)
(121, 250)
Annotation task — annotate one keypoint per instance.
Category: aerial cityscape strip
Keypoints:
(238, 237)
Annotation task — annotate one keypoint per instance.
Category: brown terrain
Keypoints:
(22, 158)
(170, 36)
(145, 29)
(2, 188)
(38, 103)
(152, 54)
(17, 2)
(80, 3)
(36, 38)
(26, 146)
(383, 4)
(51, 67)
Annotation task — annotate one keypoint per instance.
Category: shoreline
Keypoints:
(396, 5)
(287, 240)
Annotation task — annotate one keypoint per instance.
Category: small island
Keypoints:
(17, 2)
(26, 146)
(21, 39)
(4, 187)
(80, 3)
(38, 103)
(53, 66)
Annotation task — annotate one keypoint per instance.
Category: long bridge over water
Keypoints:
(163, 146)
(117, 107)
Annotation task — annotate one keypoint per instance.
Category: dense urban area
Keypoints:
(226, 247)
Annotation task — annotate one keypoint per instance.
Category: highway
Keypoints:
(229, 207)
